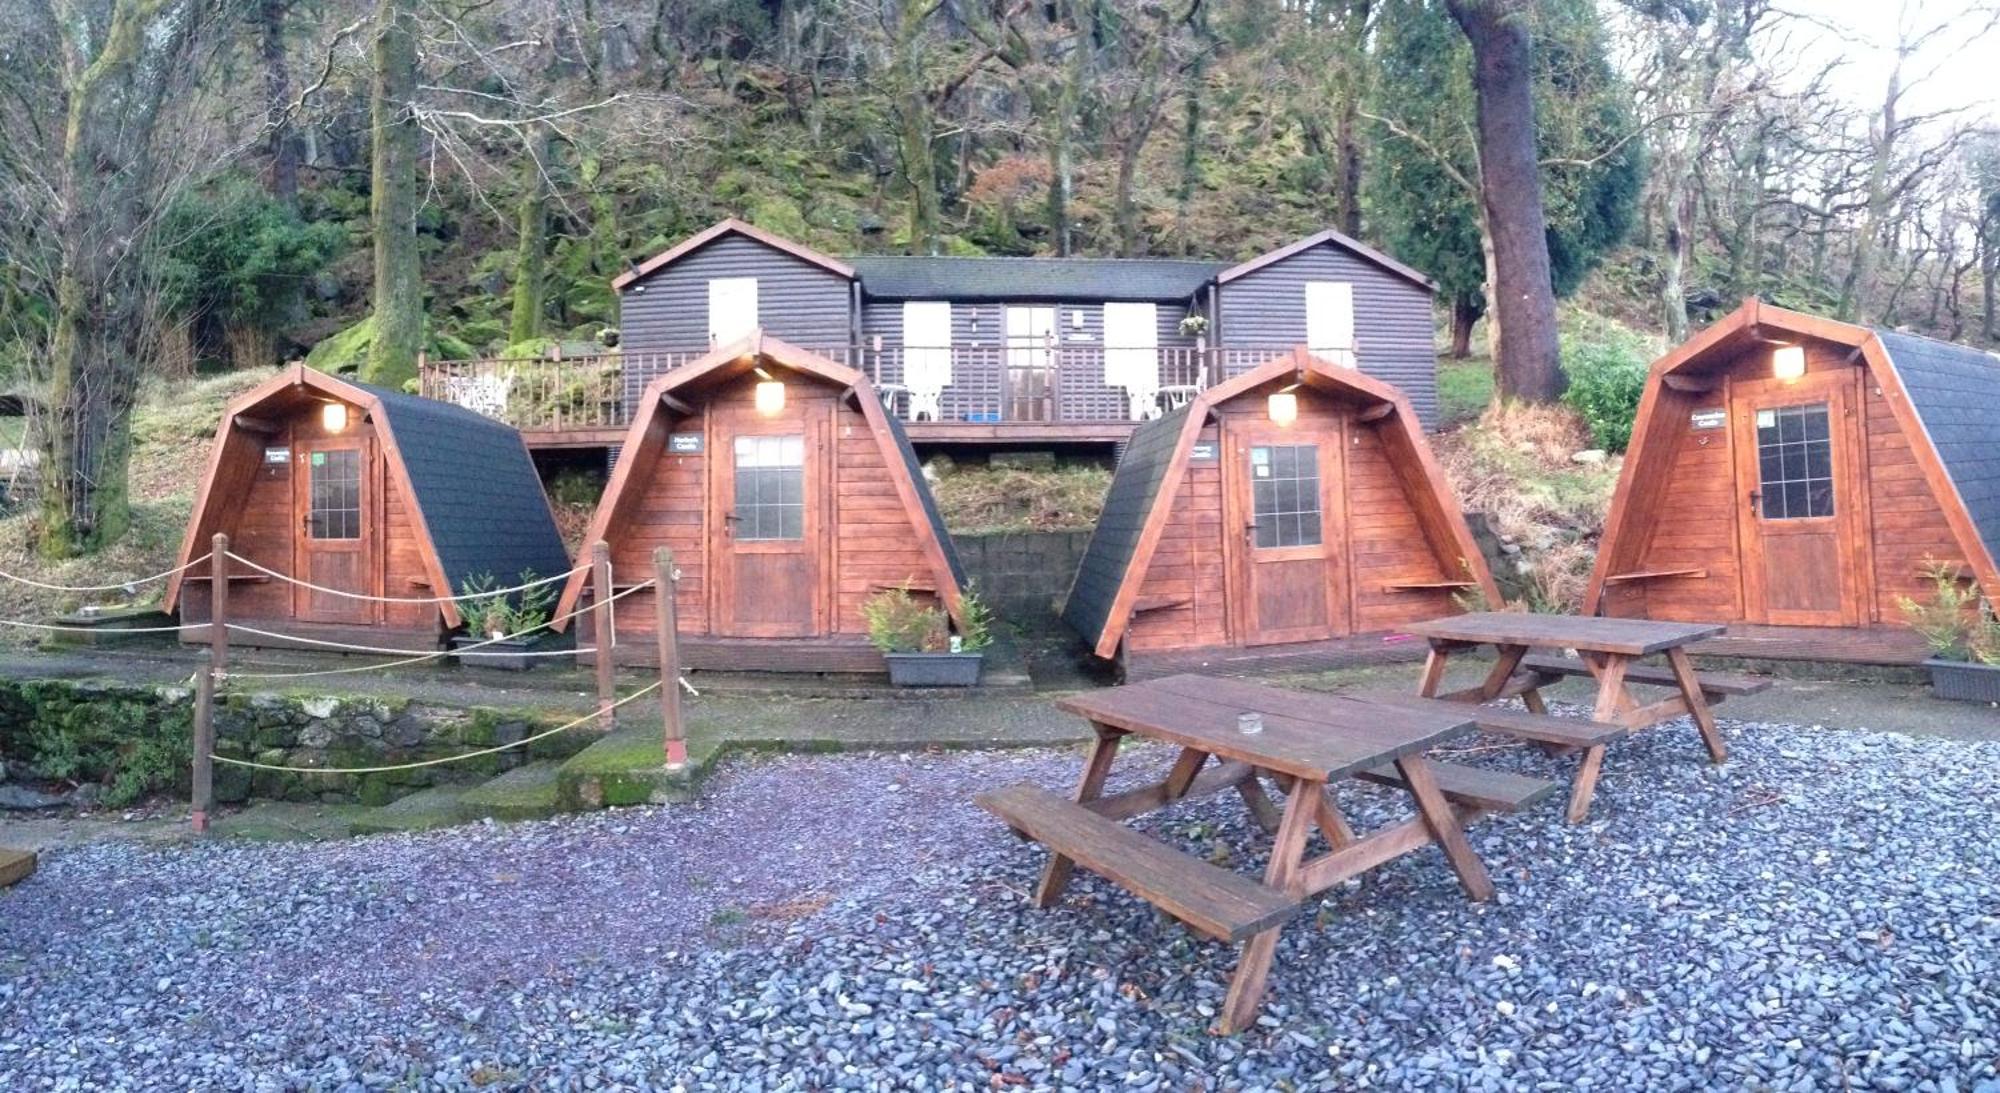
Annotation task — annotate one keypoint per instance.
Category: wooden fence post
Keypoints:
(600, 617)
(205, 681)
(670, 659)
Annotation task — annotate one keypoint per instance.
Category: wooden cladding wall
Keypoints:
(798, 301)
(258, 507)
(1394, 331)
(1681, 559)
(1388, 551)
(867, 542)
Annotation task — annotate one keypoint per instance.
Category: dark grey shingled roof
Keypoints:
(476, 490)
(906, 278)
(1955, 390)
(1134, 488)
(931, 511)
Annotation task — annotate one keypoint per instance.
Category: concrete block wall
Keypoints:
(1022, 576)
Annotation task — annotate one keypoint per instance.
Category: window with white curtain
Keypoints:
(1330, 321)
(926, 345)
(732, 308)
(1131, 346)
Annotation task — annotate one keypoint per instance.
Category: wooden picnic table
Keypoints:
(1609, 650)
(1308, 742)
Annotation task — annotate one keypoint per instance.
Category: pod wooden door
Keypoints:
(1795, 477)
(766, 503)
(1281, 485)
(332, 496)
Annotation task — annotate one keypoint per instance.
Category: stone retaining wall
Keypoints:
(102, 732)
(1023, 576)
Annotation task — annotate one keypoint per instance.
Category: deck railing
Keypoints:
(969, 384)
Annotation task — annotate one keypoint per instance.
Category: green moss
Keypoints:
(1465, 389)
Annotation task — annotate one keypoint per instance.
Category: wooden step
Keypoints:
(1488, 790)
(1713, 684)
(1224, 905)
(1576, 732)
(15, 866)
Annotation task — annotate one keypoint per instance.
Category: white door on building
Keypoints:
(926, 355)
(1330, 321)
(732, 308)
(1131, 354)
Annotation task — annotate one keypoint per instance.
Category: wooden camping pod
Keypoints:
(380, 499)
(1228, 527)
(1794, 476)
(784, 517)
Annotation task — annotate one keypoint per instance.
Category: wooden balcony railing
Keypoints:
(971, 384)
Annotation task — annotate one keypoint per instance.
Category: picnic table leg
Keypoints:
(1446, 830)
(1259, 803)
(1185, 768)
(1503, 670)
(1697, 703)
(1246, 987)
(1612, 699)
(1055, 875)
(1332, 824)
(1434, 666)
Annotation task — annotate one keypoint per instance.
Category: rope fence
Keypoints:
(216, 671)
(458, 598)
(420, 763)
(122, 586)
(603, 651)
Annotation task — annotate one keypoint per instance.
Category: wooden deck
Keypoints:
(1019, 432)
(698, 654)
(539, 439)
(1288, 658)
(1891, 646)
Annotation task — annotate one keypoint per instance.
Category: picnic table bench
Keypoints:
(1307, 743)
(1609, 651)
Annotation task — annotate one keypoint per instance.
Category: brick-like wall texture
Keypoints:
(1022, 576)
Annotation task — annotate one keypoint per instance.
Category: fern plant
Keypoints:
(1950, 620)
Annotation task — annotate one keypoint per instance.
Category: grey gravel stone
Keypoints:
(1821, 912)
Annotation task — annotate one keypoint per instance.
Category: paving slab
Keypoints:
(528, 792)
(424, 810)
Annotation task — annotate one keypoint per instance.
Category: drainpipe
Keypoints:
(854, 324)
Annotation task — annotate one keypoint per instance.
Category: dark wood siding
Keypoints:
(798, 301)
(1081, 391)
(1393, 326)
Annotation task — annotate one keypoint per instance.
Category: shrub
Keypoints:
(1607, 374)
(1949, 620)
(900, 623)
(490, 613)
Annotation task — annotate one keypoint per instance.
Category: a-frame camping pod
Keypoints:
(372, 502)
(789, 497)
(1793, 476)
(1297, 502)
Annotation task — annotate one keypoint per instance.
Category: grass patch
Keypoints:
(1465, 390)
(1514, 465)
(975, 500)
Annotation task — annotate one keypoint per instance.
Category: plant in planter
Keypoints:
(1964, 637)
(521, 618)
(916, 639)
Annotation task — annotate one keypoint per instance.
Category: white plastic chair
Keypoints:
(483, 394)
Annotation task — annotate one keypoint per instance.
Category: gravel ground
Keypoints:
(1824, 911)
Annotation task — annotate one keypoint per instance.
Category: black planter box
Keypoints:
(1964, 681)
(934, 669)
(504, 656)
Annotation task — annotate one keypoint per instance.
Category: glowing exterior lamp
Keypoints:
(1788, 362)
(333, 416)
(1283, 406)
(770, 395)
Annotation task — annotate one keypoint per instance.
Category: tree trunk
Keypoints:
(281, 179)
(1674, 256)
(1062, 119)
(399, 289)
(1464, 313)
(531, 249)
(1191, 132)
(109, 189)
(1523, 293)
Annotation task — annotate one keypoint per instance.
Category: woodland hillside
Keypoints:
(207, 185)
